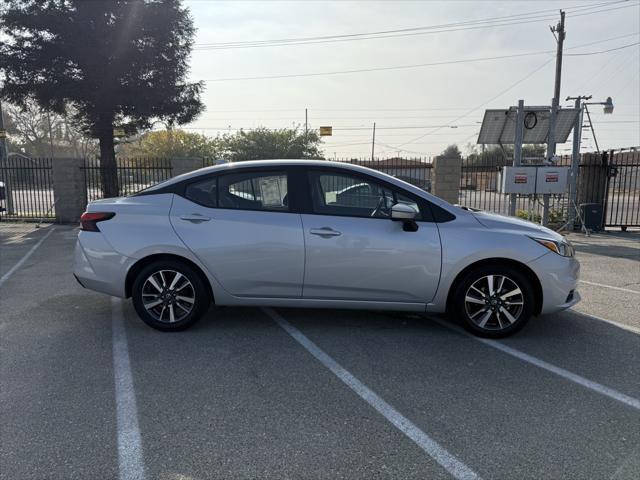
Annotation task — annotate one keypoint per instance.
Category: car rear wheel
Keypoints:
(169, 295)
(494, 302)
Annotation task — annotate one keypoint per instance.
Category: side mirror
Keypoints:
(407, 215)
(403, 212)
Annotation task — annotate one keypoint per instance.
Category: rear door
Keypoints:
(241, 228)
(354, 251)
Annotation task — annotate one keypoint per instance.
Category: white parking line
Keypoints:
(26, 256)
(596, 387)
(628, 290)
(130, 460)
(450, 463)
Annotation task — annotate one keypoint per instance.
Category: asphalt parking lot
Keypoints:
(89, 392)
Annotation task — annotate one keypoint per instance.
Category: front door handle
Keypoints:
(195, 218)
(325, 232)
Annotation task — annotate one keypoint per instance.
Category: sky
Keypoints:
(418, 111)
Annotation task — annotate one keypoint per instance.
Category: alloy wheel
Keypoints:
(168, 296)
(494, 302)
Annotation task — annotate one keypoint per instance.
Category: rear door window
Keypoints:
(254, 191)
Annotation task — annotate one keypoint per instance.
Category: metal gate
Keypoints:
(27, 189)
(622, 193)
(130, 174)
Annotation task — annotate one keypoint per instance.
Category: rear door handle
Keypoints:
(325, 232)
(195, 218)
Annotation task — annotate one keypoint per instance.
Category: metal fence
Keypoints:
(27, 191)
(416, 171)
(479, 189)
(622, 194)
(611, 179)
(129, 176)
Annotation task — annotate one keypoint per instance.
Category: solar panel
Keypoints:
(499, 126)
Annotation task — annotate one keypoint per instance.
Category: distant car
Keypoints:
(288, 233)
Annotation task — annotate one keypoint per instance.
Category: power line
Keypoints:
(379, 69)
(341, 128)
(618, 121)
(327, 117)
(373, 109)
(518, 82)
(601, 51)
(529, 17)
(330, 117)
(403, 67)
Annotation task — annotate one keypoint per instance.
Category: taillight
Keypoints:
(89, 220)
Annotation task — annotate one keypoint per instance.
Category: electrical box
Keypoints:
(591, 216)
(552, 180)
(517, 180)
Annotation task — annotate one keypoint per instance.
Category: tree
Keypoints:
(263, 143)
(36, 133)
(117, 63)
(452, 151)
(496, 155)
(172, 144)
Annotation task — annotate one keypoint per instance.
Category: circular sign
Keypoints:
(530, 120)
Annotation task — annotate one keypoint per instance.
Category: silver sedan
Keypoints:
(318, 234)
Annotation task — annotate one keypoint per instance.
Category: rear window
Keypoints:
(203, 192)
(254, 191)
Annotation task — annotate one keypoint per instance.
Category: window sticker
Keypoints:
(270, 191)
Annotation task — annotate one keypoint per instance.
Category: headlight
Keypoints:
(563, 247)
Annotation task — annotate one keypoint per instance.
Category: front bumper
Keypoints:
(97, 266)
(559, 280)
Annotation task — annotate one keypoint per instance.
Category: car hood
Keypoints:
(500, 222)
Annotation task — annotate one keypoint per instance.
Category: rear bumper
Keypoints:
(97, 266)
(559, 280)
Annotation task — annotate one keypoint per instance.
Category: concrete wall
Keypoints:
(185, 165)
(445, 178)
(69, 192)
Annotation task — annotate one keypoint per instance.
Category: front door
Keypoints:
(240, 227)
(354, 251)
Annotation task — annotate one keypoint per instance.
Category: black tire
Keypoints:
(174, 300)
(472, 313)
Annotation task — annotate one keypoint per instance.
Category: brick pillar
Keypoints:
(185, 165)
(446, 178)
(69, 189)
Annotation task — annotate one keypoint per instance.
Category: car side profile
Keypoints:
(318, 234)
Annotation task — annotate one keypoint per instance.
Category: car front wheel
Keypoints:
(494, 301)
(169, 295)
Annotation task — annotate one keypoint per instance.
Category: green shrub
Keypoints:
(525, 215)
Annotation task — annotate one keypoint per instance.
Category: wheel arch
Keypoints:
(521, 267)
(143, 262)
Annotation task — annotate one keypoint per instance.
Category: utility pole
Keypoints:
(50, 134)
(4, 158)
(517, 151)
(4, 152)
(373, 143)
(551, 140)
(306, 132)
